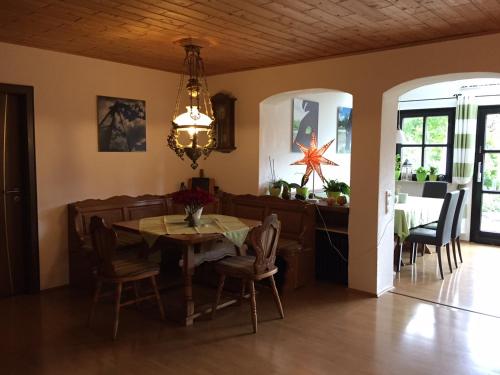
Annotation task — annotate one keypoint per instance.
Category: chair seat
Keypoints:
(134, 267)
(423, 235)
(431, 226)
(238, 266)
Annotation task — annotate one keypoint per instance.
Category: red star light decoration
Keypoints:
(313, 158)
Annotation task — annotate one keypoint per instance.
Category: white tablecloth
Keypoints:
(414, 212)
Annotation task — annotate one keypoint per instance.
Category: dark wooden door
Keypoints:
(14, 219)
(485, 221)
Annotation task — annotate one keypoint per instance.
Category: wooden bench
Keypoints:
(119, 208)
(296, 246)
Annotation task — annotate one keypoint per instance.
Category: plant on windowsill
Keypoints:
(276, 186)
(335, 189)
(397, 169)
(300, 190)
(421, 174)
(433, 174)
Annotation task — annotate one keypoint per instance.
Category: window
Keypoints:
(428, 139)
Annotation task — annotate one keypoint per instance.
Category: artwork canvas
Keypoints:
(304, 122)
(344, 130)
(121, 124)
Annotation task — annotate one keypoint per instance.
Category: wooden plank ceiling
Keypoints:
(242, 34)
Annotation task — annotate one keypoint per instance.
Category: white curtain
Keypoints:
(465, 140)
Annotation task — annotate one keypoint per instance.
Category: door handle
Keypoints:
(13, 191)
(479, 172)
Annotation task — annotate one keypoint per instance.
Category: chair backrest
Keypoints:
(103, 244)
(435, 189)
(459, 213)
(445, 222)
(264, 240)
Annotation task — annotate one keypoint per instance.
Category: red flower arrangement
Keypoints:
(193, 199)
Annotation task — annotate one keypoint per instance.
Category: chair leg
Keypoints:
(117, 309)
(242, 292)
(95, 299)
(277, 297)
(459, 250)
(158, 297)
(400, 256)
(454, 252)
(448, 256)
(422, 250)
(137, 295)
(253, 305)
(440, 263)
(220, 287)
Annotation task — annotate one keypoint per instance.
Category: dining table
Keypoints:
(414, 212)
(173, 230)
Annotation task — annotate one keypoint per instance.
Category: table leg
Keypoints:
(188, 270)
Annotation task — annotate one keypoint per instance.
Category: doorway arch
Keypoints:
(386, 164)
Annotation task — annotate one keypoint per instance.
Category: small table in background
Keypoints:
(416, 211)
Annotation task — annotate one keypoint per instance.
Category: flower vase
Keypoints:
(193, 218)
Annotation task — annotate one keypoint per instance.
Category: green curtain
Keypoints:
(465, 140)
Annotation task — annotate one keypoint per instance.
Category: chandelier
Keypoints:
(193, 130)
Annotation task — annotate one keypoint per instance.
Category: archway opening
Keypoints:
(420, 108)
(292, 116)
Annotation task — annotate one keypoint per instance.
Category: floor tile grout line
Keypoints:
(444, 304)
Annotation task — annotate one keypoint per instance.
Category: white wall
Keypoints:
(368, 77)
(69, 168)
(276, 137)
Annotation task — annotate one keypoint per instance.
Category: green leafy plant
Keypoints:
(421, 170)
(336, 186)
(398, 163)
(433, 170)
(303, 183)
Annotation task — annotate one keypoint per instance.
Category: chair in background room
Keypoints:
(263, 241)
(435, 189)
(119, 271)
(440, 236)
(456, 229)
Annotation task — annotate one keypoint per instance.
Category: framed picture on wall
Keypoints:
(121, 124)
(344, 130)
(304, 122)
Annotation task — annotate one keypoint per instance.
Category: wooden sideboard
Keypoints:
(332, 243)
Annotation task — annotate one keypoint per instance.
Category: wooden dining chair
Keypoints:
(264, 241)
(119, 271)
(440, 236)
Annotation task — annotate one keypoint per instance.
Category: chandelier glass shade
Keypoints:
(197, 121)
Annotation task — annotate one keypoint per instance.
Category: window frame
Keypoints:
(431, 112)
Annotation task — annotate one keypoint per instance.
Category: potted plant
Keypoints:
(335, 188)
(301, 190)
(276, 185)
(397, 169)
(193, 201)
(421, 173)
(433, 174)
